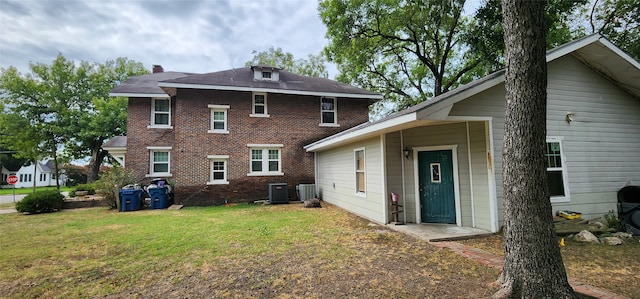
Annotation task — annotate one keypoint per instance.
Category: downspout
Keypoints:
(404, 195)
(473, 205)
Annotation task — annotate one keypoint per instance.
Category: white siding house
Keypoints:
(41, 172)
(444, 156)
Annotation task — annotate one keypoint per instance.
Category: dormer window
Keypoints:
(265, 73)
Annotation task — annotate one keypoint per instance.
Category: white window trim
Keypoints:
(364, 171)
(152, 125)
(335, 113)
(219, 108)
(265, 162)
(253, 105)
(565, 176)
(153, 149)
(218, 158)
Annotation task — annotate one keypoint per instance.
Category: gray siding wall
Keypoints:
(337, 182)
(601, 145)
(438, 135)
(480, 174)
(394, 159)
(453, 134)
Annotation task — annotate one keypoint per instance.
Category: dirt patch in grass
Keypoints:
(614, 268)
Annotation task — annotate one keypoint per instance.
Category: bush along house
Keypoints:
(226, 136)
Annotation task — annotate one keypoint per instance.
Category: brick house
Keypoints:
(225, 136)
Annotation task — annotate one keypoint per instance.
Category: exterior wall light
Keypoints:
(569, 117)
(406, 153)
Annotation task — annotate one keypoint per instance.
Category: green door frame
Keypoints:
(456, 185)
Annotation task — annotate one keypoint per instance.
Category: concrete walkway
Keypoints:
(441, 235)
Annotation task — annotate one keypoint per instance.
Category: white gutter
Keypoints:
(364, 132)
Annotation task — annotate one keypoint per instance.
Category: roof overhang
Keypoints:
(602, 56)
(432, 112)
(139, 95)
(594, 50)
(271, 90)
(115, 149)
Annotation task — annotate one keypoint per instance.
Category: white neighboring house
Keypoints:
(117, 148)
(44, 175)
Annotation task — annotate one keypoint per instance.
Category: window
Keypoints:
(266, 75)
(265, 159)
(259, 105)
(218, 166)
(161, 113)
(43, 177)
(219, 119)
(328, 111)
(160, 161)
(556, 170)
(360, 173)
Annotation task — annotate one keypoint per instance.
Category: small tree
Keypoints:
(313, 66)
(111, 181)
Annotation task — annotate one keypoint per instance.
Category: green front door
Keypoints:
(437, 197)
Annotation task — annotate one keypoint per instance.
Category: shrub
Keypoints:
(90, 188)
(41, 202)
(612, 221)
(75, 174)
(111, 181)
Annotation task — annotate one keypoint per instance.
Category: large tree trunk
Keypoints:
(533, 265)
(97, 156)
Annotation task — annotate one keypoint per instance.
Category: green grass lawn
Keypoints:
(8, 191)
(244, 251)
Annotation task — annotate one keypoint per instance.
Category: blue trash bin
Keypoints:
(159, 198)
(130, 199)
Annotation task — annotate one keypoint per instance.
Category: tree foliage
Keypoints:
(407, 50)
(413, 50)
(313, 66)
(65, 104)
(618, 20)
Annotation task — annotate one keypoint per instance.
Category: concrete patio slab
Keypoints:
(435, 232)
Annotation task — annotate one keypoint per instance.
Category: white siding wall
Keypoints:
(337, 182)
(601, 145)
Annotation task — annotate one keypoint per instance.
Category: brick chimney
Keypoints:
(157, 68)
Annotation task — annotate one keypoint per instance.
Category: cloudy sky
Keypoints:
(181, 35)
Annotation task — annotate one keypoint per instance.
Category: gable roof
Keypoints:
(594, 50)
(115, 142)
(145, 86)
(241, 79)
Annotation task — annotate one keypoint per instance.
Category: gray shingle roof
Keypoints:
(243, 78)
(145, 84)
(116, 141)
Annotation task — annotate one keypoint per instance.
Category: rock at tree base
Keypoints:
(312, 203)
(611, 241)
(586, 236)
